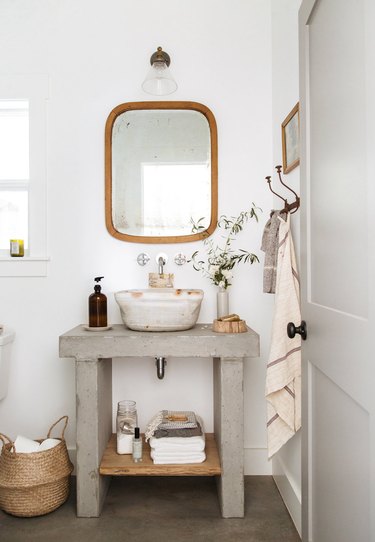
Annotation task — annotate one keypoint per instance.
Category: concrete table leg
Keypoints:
(229, 434)
(94, 427)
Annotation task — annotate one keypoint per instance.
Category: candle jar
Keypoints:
(126, 422)
(17, 248)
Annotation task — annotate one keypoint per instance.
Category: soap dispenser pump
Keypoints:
(97, 306)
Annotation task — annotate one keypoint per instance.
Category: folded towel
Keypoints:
(171, 419)
(160, 458)
(178, 444)
(193, 432)
(178, 419)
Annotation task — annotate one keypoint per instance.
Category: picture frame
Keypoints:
(290, 140)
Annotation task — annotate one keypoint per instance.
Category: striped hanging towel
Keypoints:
(283, 379)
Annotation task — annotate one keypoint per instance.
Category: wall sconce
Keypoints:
(159, 80)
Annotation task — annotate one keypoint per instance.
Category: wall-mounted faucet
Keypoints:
(161, 264)
(161, 260)
(161, 279)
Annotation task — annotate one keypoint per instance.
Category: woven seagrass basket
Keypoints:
(34, 484)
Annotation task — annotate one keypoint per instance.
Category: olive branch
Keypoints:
(221, 258)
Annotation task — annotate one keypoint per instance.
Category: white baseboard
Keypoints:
(290, 494)
(256, 462)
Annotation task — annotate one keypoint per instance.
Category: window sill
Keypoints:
(27, 266)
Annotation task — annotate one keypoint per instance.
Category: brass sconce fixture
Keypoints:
(159, 80)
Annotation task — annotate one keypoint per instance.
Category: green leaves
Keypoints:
(222, 259)
(197, 226)
(246, 257)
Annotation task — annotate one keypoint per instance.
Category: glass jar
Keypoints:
(126, 422)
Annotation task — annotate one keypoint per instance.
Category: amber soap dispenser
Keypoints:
(97, 306)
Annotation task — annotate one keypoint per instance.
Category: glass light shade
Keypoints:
(159, 80)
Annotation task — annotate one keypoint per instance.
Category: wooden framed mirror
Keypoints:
(160, 172)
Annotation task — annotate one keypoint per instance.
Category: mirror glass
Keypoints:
(161, 171)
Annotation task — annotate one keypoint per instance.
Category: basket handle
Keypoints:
(53, 425)
(10, 441)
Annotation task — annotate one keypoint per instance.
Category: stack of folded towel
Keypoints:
(176, 437)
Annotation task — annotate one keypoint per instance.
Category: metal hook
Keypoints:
(288, 207)
(278, 169)
(268, 179)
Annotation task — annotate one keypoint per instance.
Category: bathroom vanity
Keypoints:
(97, 460)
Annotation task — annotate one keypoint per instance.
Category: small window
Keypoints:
(23, 136)
(14, 172)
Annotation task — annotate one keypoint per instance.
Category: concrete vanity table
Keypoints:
(97, 460)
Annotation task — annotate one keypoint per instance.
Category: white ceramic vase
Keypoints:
(222, 302)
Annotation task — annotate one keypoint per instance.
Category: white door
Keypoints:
(337, 95)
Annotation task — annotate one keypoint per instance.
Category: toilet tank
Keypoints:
(6, 340)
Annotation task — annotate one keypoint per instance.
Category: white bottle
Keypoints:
(137, 446)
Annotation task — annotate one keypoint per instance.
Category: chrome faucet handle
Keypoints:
(143, 259)
(180, 259)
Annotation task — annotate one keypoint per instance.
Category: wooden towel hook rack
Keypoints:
(288, 207)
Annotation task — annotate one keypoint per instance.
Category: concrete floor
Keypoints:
(165, 509)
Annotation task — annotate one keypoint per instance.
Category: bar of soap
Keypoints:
(230, 318)
(177, 418)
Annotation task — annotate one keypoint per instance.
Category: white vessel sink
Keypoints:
(159, 309)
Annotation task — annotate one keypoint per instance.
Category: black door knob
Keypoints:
(300, 330)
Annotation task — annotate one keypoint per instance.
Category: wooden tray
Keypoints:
(229, 327)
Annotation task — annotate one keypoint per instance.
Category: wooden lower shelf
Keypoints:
(113, 464)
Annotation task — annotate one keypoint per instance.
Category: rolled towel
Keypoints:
(178, 444)
(160, 458)
(48, 443)
(24, 445)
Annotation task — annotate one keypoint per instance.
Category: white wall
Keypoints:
(286, 465)
(96, 55)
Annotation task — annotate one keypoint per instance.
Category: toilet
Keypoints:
(6, 340)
